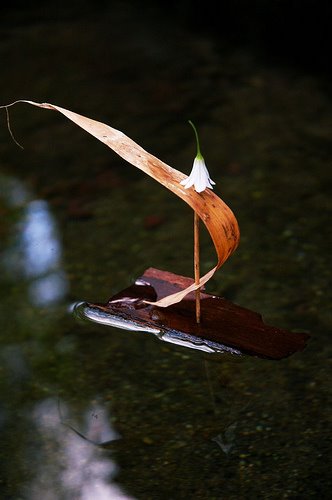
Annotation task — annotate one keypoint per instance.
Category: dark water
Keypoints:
(92, 412)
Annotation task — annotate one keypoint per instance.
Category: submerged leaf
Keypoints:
(216, 215)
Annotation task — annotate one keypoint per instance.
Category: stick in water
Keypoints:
(196, 267)
(199, 179)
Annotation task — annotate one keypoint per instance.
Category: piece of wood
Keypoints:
(197, 267)
(224, 326)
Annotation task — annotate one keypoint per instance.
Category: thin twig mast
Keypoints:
(200, 179)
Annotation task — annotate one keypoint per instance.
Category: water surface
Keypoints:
(88, 411)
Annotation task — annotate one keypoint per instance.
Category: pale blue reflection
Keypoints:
(35, 252)
(49, 289)
(39, 240)
(41, 251)
(69, 465)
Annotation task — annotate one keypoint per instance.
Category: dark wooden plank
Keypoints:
(224, 325)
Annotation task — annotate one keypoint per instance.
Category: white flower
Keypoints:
(199, 176)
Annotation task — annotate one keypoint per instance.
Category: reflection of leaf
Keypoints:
(216, 215)
(106, 435)
(226, 440)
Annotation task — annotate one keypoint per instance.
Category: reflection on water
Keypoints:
(40, 246)
(84, 310)
(66, 461)
(41, 254)
(70, 466)
(35, 250)
(226, 440)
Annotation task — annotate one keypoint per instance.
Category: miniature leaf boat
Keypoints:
(163, 303)
(226, 327)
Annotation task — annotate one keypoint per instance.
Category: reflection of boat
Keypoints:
(226, 327)
(162, 303)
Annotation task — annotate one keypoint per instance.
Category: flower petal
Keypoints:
(199, 176)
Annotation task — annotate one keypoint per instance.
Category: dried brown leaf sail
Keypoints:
(213, 211)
